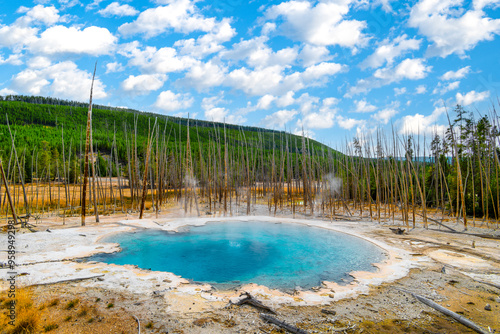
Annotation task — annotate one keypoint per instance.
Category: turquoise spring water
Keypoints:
(229, 254)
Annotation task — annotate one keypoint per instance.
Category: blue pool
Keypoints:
(229, 254)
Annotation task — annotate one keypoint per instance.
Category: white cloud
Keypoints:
(348, 123)
(61, 80)
(312, 55)
(446, 88)
(13, 59)
(330, 101)
(389, 50)
(363, 106)
(39, 14)
(321, 70)
(209, 43)
(322, 24)
(7, 91)
(472, 97)
(272, 80)
(265, 101)
(279, 119)
(144, 83)
(93, 41)
(412, 69)
(421, 89)
(215, 113)
(452, 30)
(385, 115)
(420, 124)
(179, 15)
(286, 99)
(307, 103)
(114, 67)
(169, 101)
(39, 62)
(399, 91)
(318, 120)
(203, 76)
(459, 74)
(257, 54)
(151, 60)
(115, 9)
(16, 36)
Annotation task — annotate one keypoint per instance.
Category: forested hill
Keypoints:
(41, 124)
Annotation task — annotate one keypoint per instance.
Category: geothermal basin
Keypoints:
(228, 254)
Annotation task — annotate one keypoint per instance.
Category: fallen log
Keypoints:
(138, 323)
(488, 283)
(68, 280)
(249, 299)
(398, 230)
(457, 317)
(282, 324)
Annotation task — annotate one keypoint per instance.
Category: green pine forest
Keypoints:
(384, 176)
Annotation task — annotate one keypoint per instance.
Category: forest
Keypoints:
(146, 161)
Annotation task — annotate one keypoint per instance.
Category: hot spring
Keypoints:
(228, 254)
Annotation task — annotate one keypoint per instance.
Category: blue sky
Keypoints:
(336, 69)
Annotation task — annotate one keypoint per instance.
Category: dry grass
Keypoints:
(27, 316)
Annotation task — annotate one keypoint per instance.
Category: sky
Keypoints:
(333, 69)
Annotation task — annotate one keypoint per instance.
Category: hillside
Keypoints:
(41, 123)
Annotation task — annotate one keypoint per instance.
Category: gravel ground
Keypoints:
(448, 268)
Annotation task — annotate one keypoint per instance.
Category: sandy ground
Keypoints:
(448, 268)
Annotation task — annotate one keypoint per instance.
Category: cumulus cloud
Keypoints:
(7, 91)
(312, 55)
(387, 51)
(421, 124)
(63, 80)
(13, 59)
(152, 60)
(279, 118)
(472, 97)
(208, 43)
(213, 112)
(16, 36)
(348, 123)
(421, 89)
(385, 115)
(318, 120)
(273, 80)
(399, 91)
(115, 9)
(411, 69)
(286, 99)
(363, 106)
(443, 89)
(265, 101)
(114, 67)
(451, 30)
(454, 75)
(179, 15)
(321, 24)
(38, 14)
(257, 54)
(93, 41)
(169, 101)
(203, 76)
(144, 83)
